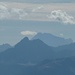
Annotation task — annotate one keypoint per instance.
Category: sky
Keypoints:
(40, 1)
(21, 18)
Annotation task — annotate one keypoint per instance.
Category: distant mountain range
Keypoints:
(4, 47)
(34, 57)
(27, 51)
(52, 40)
(34, 51)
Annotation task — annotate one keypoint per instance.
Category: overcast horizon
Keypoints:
(23, 18)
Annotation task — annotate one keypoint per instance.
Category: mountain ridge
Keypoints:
(4, 47)
(52, 40)
(27, 51)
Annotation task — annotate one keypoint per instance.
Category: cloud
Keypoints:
(37, 8)
(3, 11)
(11, 13)
(61, 34)
(36, 12)
(18, 13)
(28, 33)
(61, 16)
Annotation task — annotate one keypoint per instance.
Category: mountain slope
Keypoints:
(33, 51)
(4, 47)
(27, 51)
(64, 66)
(65, 50)
(52, 40)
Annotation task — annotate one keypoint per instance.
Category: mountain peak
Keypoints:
(52, 40)
(26, 38)
(23, 41)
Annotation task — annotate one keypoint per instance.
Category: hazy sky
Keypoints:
(41, 1)
(18, 20)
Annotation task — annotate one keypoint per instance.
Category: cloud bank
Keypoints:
(11, 13)
(28, 33)
(19, 13)
(61, 16)
(37, 8)
(4, 12)
(37, 13)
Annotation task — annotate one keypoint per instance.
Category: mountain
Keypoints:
(34, 51)
(26, 51)
(65, 51)
(63, 66)
(52, 40)
(4, 47)
(34, 57)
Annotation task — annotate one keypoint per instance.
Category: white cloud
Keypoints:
(19, 13)
(61, 16)
(36, 12)
(3, 11)
(61, 34)
(28, 33)
(37, 8)
(11, 13)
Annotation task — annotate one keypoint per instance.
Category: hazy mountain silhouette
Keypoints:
(65, 50)
(4, 47)
(27, 51)
(52, 40)
(18, 60)
(34, 51)
(63, 66)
